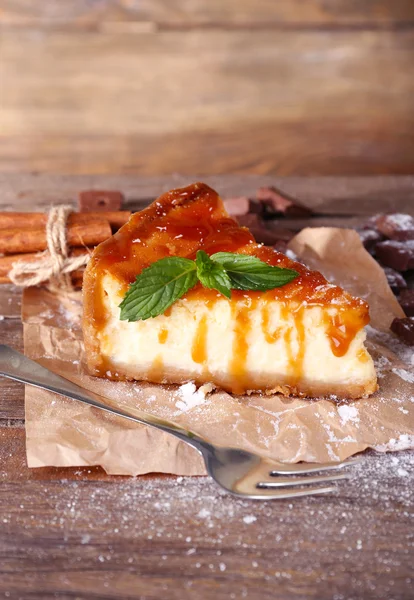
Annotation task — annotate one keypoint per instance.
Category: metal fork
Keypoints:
(239, 472)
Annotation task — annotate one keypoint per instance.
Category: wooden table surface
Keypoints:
(286, 87)
(78, 533)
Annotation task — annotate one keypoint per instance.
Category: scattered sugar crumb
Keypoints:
(86, 538)
(402, 472)
(405, 375)
(290, 254)
(249, 519)
(404, 442)
(348, 413)
(382, 364)
(203, 514)
(222, 566)
(191, 396)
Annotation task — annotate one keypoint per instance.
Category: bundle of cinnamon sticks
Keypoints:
(22, 235)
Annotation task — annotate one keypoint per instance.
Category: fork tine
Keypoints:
(272, 494)
(289, 481)
(292, 469)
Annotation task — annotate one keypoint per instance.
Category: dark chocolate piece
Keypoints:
(409, 278)
(100, 200)
(242, 205)
(396, 226)
(395, 280)
(370, 238)
(276, 202)
(406, 300)
(404, 328)
(262, 233)
(397, 255)
(280, 246)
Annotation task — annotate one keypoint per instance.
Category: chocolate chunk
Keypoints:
(100, 200)
(396, 226)
(397, 255)
(280, 246)
(370, 237)
(276, 202)
(395, 280)
(406, 300)
(242, 205)
(409, 278)
(262, 233)
(404, 328)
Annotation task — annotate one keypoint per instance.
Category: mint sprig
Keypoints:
(212, 274)
(168, 279)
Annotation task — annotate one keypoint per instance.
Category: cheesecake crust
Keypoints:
(181, 222)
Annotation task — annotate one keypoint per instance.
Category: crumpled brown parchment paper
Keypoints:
(64, 432)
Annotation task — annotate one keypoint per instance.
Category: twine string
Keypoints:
(54, 265)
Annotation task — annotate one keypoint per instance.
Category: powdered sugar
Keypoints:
(405, 375)
(382, 365)
(391, 342)
(191, 396)
(348, 413)
(404, 442)
(401, 221)
(249, 519)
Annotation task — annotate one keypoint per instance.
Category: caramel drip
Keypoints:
(163, 335)
(300, 337)
(295, 332)
(199, 348)
(156, 371)
(363, 355)
(270, 337)
(210, 300)
(341, 329)
(287, 336)
(240, 349)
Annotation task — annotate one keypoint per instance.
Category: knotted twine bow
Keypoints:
(54, 265)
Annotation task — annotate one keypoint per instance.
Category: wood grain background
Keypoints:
(164, 86)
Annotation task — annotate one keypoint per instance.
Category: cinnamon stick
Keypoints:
(7, 262)
(15, 220)
(88, 233)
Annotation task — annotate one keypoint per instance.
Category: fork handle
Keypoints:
(15, 365)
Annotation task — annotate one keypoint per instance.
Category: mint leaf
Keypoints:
(250, 273)
(212, 275)
(168, 279)
(157, 288)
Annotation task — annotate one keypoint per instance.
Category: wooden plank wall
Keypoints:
(161, 86)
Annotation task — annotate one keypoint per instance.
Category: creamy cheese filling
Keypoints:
(239, 345)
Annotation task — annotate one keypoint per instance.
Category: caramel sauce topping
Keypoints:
(199, 349)
(342, 328)
(270, 336)
(185, 220)
(156, 371)
(163, 335)
(238, 360)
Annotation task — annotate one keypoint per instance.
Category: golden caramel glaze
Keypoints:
(185, 220)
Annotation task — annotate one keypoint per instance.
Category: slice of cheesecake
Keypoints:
(304, 338)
